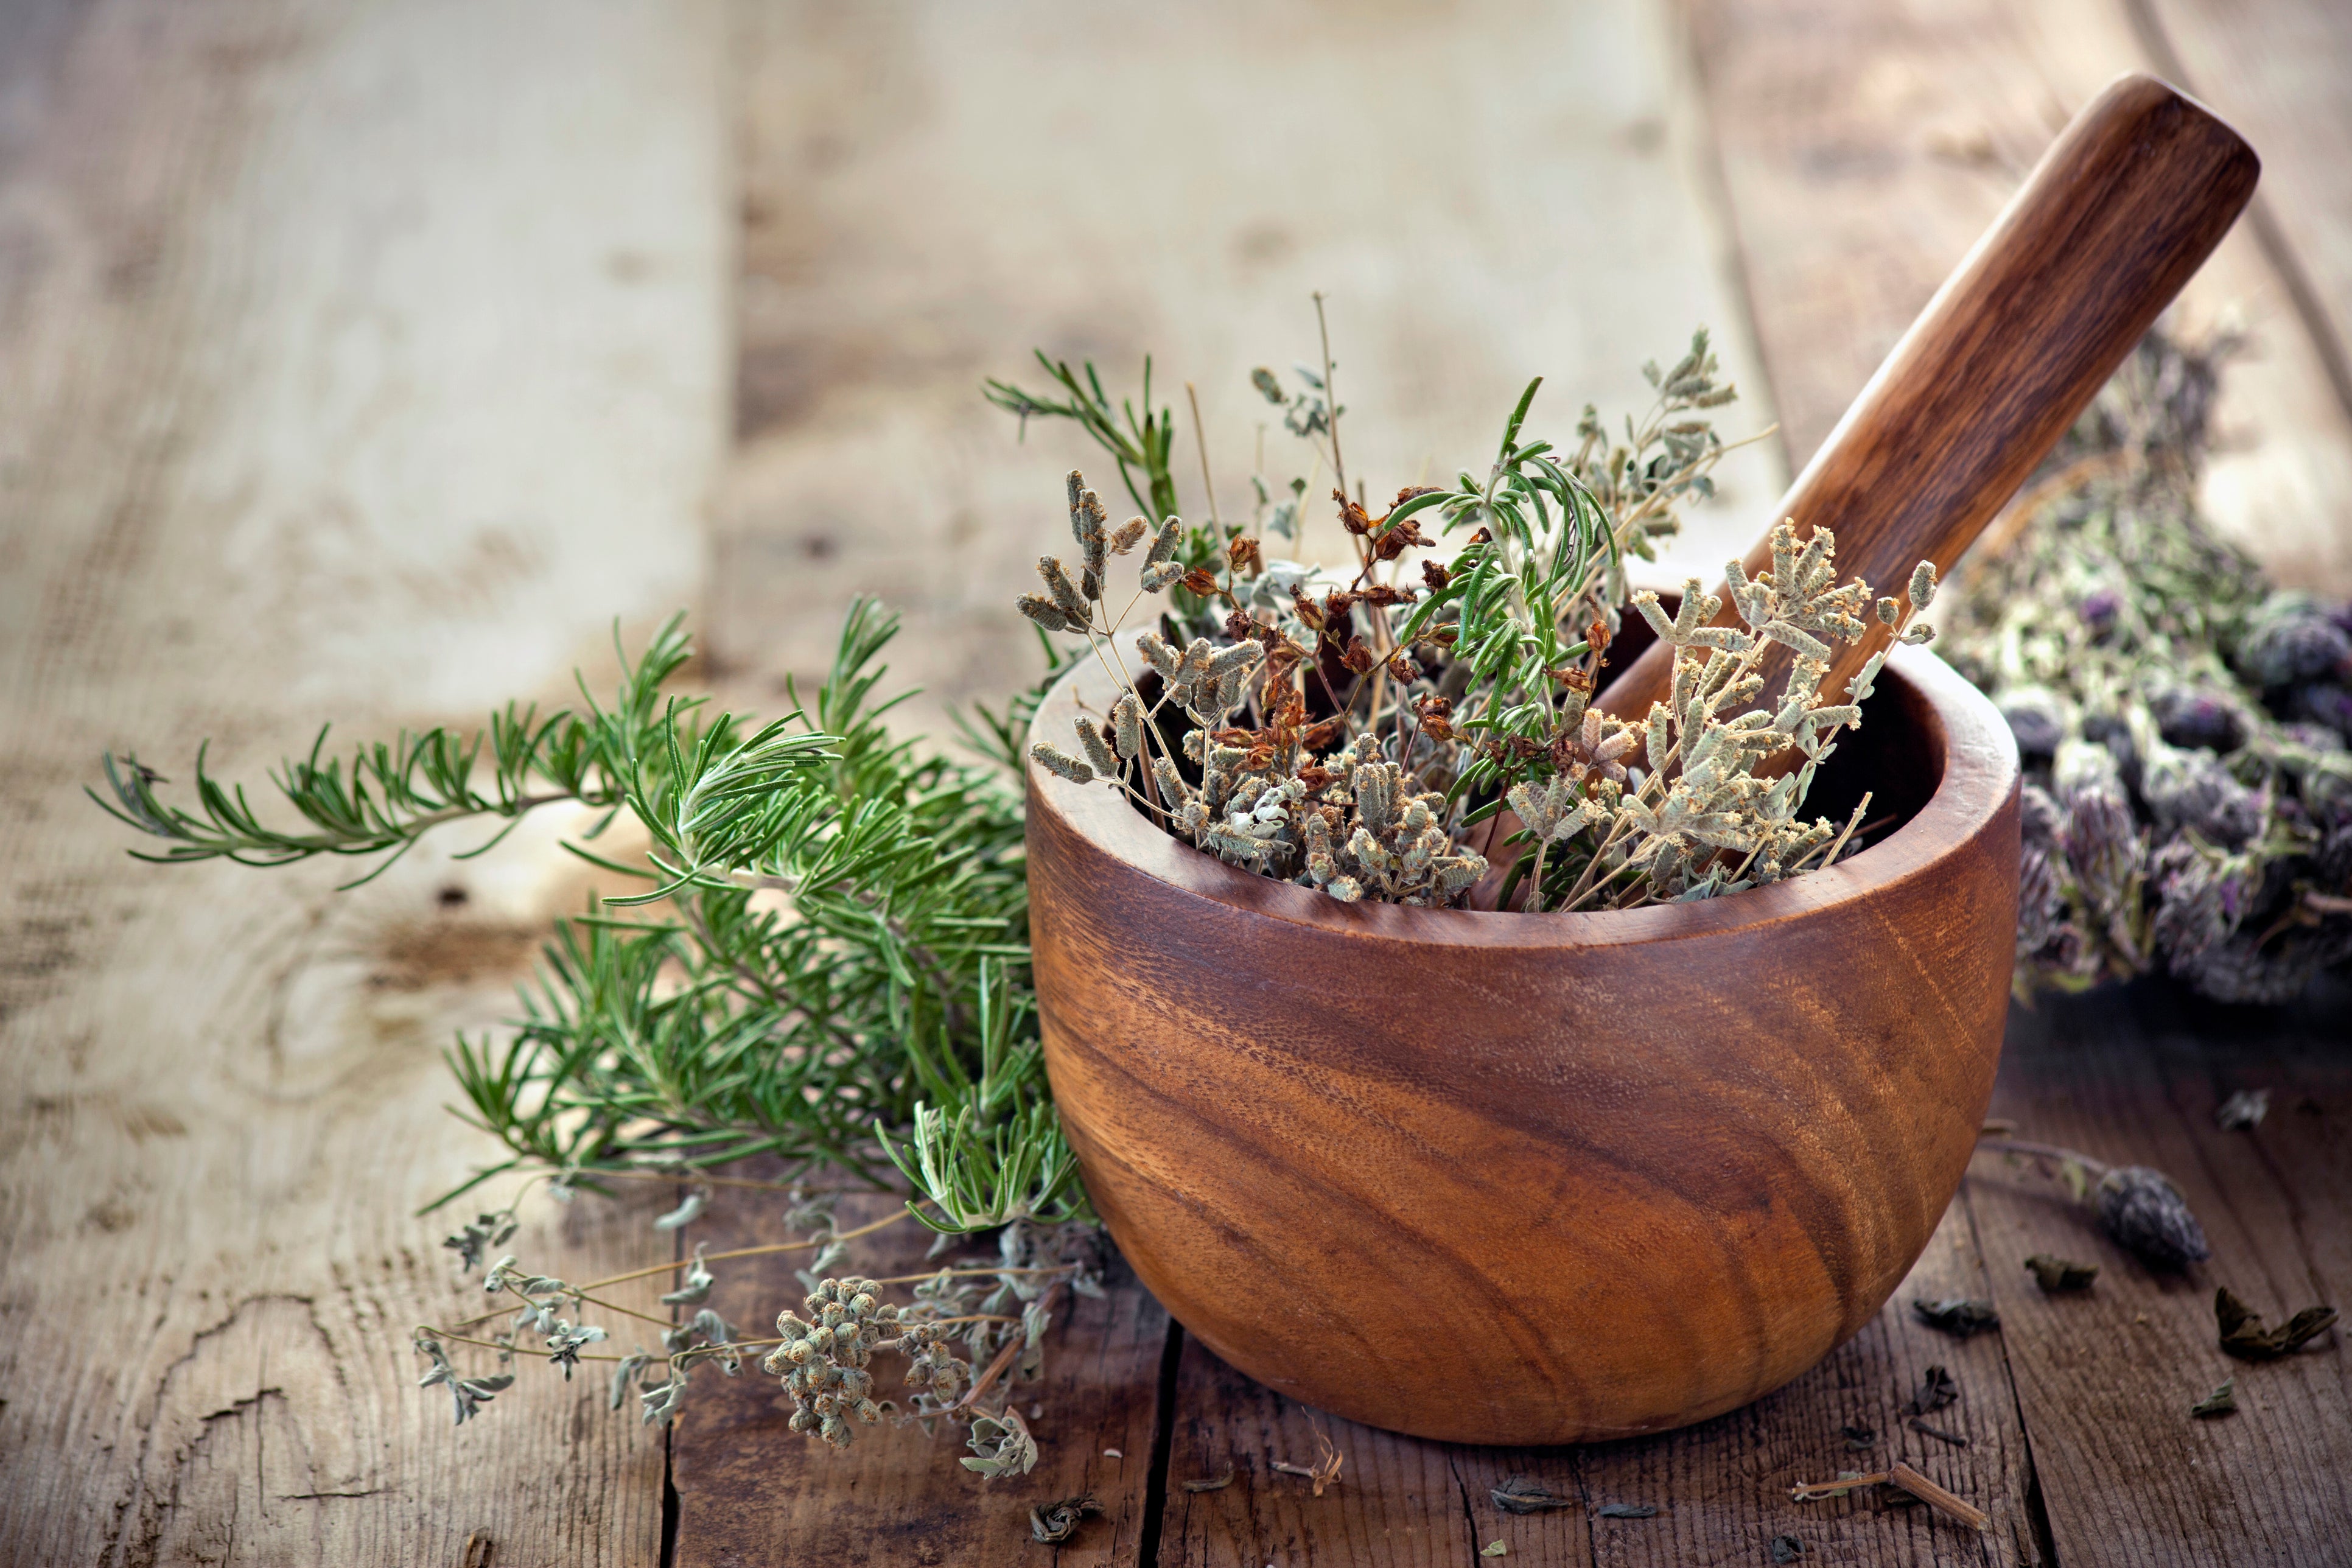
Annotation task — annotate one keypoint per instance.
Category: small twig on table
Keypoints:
(1954, 1439)
(1901, 1475)
(996, 1368)
(753, 1252)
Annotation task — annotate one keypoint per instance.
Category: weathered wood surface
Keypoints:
(1865, 146)
(750, 1490)
(363, 360)
(1721, 1489)
(2105, 1379)
(360, 362)
(2280, 67)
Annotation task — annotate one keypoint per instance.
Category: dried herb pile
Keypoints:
(2183, 721)
(1362, 730)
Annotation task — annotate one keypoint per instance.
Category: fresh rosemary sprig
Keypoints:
(393, 795)
(827, 962)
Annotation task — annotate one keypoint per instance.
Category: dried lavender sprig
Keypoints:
(2139, 1206)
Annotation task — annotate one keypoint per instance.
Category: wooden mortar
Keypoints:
(1501, 1178)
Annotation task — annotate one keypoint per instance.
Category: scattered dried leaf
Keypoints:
(1935, 1390)
(2244, 1336)
(1521, 1495)
(2244, 1109)
(1956, 1315)
(1053, 1523)
(2223, 1401)
(2056, 1273)
(1937, 1432)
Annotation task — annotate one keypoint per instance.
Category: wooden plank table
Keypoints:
(2073, 1420)
(363, 360)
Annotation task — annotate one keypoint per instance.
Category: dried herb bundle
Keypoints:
(2188, 804)
(1356, 731)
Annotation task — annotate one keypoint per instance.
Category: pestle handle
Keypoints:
(2122, 209)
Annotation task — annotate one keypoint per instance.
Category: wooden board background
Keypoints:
(364, 361)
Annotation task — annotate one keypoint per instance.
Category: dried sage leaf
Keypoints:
(2223, 1401)
(2244, 1335)
(2056, 1273)
(1787, 1549)
(1627, 1510)
(1935, 1390)
(1494, 1549)
(1520, 1495)
(1956, 1315)
(1860, 1438)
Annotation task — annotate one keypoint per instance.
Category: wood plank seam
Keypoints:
(2035, 1516)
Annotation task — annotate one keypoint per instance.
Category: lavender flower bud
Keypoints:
(2036, 718)
(2038, 817)
(2193, 790)
(1099, 753)
(2291, 636)
(1923, 585)
(1127, 724)
(2324, 702)
(2101, 838)
(2144, 1211)
(1065, 593)
(2039, 907)
(2187, 717)
(2099, 608)
(1053, 759)
(1163, 544)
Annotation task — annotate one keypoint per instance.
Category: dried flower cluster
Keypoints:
(996, 1310)
(1358, 733)
(2188, 804)
(822, 1360)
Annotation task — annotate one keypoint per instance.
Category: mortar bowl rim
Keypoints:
(1977, 773)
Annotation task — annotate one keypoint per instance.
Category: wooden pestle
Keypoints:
(2121, 211)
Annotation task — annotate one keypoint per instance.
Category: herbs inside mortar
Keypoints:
(1360, 733)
